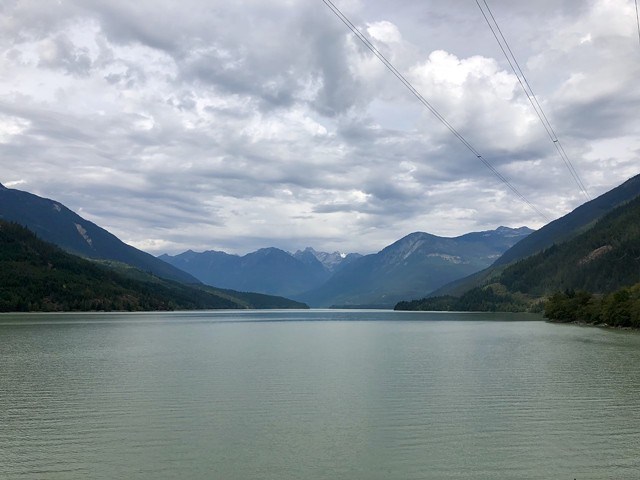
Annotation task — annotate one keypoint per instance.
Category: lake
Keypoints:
(316, 394)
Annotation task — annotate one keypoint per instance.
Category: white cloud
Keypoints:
(384, 31)
(11, 126)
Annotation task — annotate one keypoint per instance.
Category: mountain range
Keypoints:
(268, 270)
(597, 247)
(414, 265)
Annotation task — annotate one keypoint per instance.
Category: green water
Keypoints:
(316, 395)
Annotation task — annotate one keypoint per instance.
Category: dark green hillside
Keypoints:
(37, 276)
(255, 300)
(492, 298)
(242, 299)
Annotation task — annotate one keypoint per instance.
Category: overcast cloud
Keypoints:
(239, 125)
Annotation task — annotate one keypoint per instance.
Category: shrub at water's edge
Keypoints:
(618, 309)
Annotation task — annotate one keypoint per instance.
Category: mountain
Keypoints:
(38, 276)
(556, 232)
(332, 262)
(601, 257)
(53, 222)
(412, 266)
(268, 270)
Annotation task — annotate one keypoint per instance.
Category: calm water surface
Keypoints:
(316, 395)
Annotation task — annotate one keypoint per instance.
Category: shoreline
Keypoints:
(582, 323)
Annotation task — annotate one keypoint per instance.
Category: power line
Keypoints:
(524, 83)
(533, 100)
(638, 21)
(343, 18)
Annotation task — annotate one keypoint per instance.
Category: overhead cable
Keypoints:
(428, 105)
(638, 21)
(524, 83)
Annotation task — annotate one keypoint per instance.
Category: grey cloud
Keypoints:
(60, 52)
(128, 78)
(270, 51)
(155, 24)
(303, 47)
(336, 207)
(600, 117)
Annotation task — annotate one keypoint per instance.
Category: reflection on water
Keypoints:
(316, 395)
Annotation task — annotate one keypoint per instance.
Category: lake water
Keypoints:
(316, 395)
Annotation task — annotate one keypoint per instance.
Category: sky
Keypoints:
(216, 125)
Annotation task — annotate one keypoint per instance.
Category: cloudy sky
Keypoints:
(237, 125)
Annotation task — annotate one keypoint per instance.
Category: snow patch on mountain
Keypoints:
(330, 261)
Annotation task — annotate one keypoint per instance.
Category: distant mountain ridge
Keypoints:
(414, 265)
(267, 270)
(55, 223)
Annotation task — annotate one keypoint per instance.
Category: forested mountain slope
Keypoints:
(53, 222)
(38, 276)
